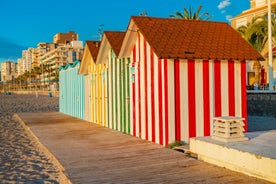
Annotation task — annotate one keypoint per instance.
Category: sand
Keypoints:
(21, 158)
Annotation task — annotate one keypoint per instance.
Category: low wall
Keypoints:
(53, 93)
(261, 103)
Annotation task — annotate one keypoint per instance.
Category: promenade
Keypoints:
(91, 153)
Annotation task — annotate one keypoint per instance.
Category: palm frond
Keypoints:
(189, 14)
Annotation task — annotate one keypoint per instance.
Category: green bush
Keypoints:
(176, 143)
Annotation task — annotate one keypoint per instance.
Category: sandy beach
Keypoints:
(21, 158)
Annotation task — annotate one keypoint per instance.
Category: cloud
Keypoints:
(10, 50)
(228, 17)
(224, 4)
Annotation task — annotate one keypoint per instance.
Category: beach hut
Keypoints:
(185, 73)
(88, 70)
(71, 98)
(114, 82)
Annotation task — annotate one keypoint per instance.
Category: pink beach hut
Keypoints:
(184, 74)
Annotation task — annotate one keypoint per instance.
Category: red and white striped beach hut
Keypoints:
(185, 73)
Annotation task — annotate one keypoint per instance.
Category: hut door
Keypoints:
(87, 110)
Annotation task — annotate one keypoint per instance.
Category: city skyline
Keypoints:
(26, 23)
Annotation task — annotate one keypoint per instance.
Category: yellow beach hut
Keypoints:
(113, 81)
(88, 69)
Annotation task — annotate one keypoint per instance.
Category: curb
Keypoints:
(63, 179)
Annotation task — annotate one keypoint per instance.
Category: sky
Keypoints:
(25, 23)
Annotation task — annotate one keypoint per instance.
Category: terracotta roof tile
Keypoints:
(93, 47)
(115, 39)
(194, 39)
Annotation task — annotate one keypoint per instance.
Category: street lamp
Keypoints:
(270, 62)
(43, 76)
(20, 83)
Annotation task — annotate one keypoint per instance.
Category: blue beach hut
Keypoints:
(71, 98)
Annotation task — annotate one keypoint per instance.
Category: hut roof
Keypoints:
(69, 65)
(90, 54)
(93, 48)
(115, 39)
(111, 40)
(191, 39)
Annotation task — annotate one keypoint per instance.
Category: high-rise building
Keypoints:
(65, 38)
(35, 57)
(8, 71)
(27, 60)
(48, 57)
(43, 48)
(0, 72)
(60, 56)
(21, 65)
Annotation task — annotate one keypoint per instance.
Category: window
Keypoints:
(259, 3)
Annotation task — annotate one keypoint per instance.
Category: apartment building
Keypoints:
(0, 72)
(60, 56)
(65, 38)
(64, 49)
(21, 65)
(63, 54)
(27, 60)
(257, 8)
(35, 57)
(8, 71)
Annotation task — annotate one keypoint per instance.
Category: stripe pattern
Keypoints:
(87, 96)
(118, 93)
(165, 100)
(175, 100)
(71, 102)
(98, 86)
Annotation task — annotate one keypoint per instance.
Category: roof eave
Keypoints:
(102, 57)
(129, 40)
(87, 57)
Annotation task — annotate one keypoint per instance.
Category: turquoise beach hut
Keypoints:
(71, 99)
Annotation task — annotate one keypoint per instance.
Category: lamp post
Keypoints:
(20, 83)
(30, 80)
(270, 58)
(43, 79)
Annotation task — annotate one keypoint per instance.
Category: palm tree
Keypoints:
(256, 34)
(189, 14)
(24, 78)
(37, 70)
